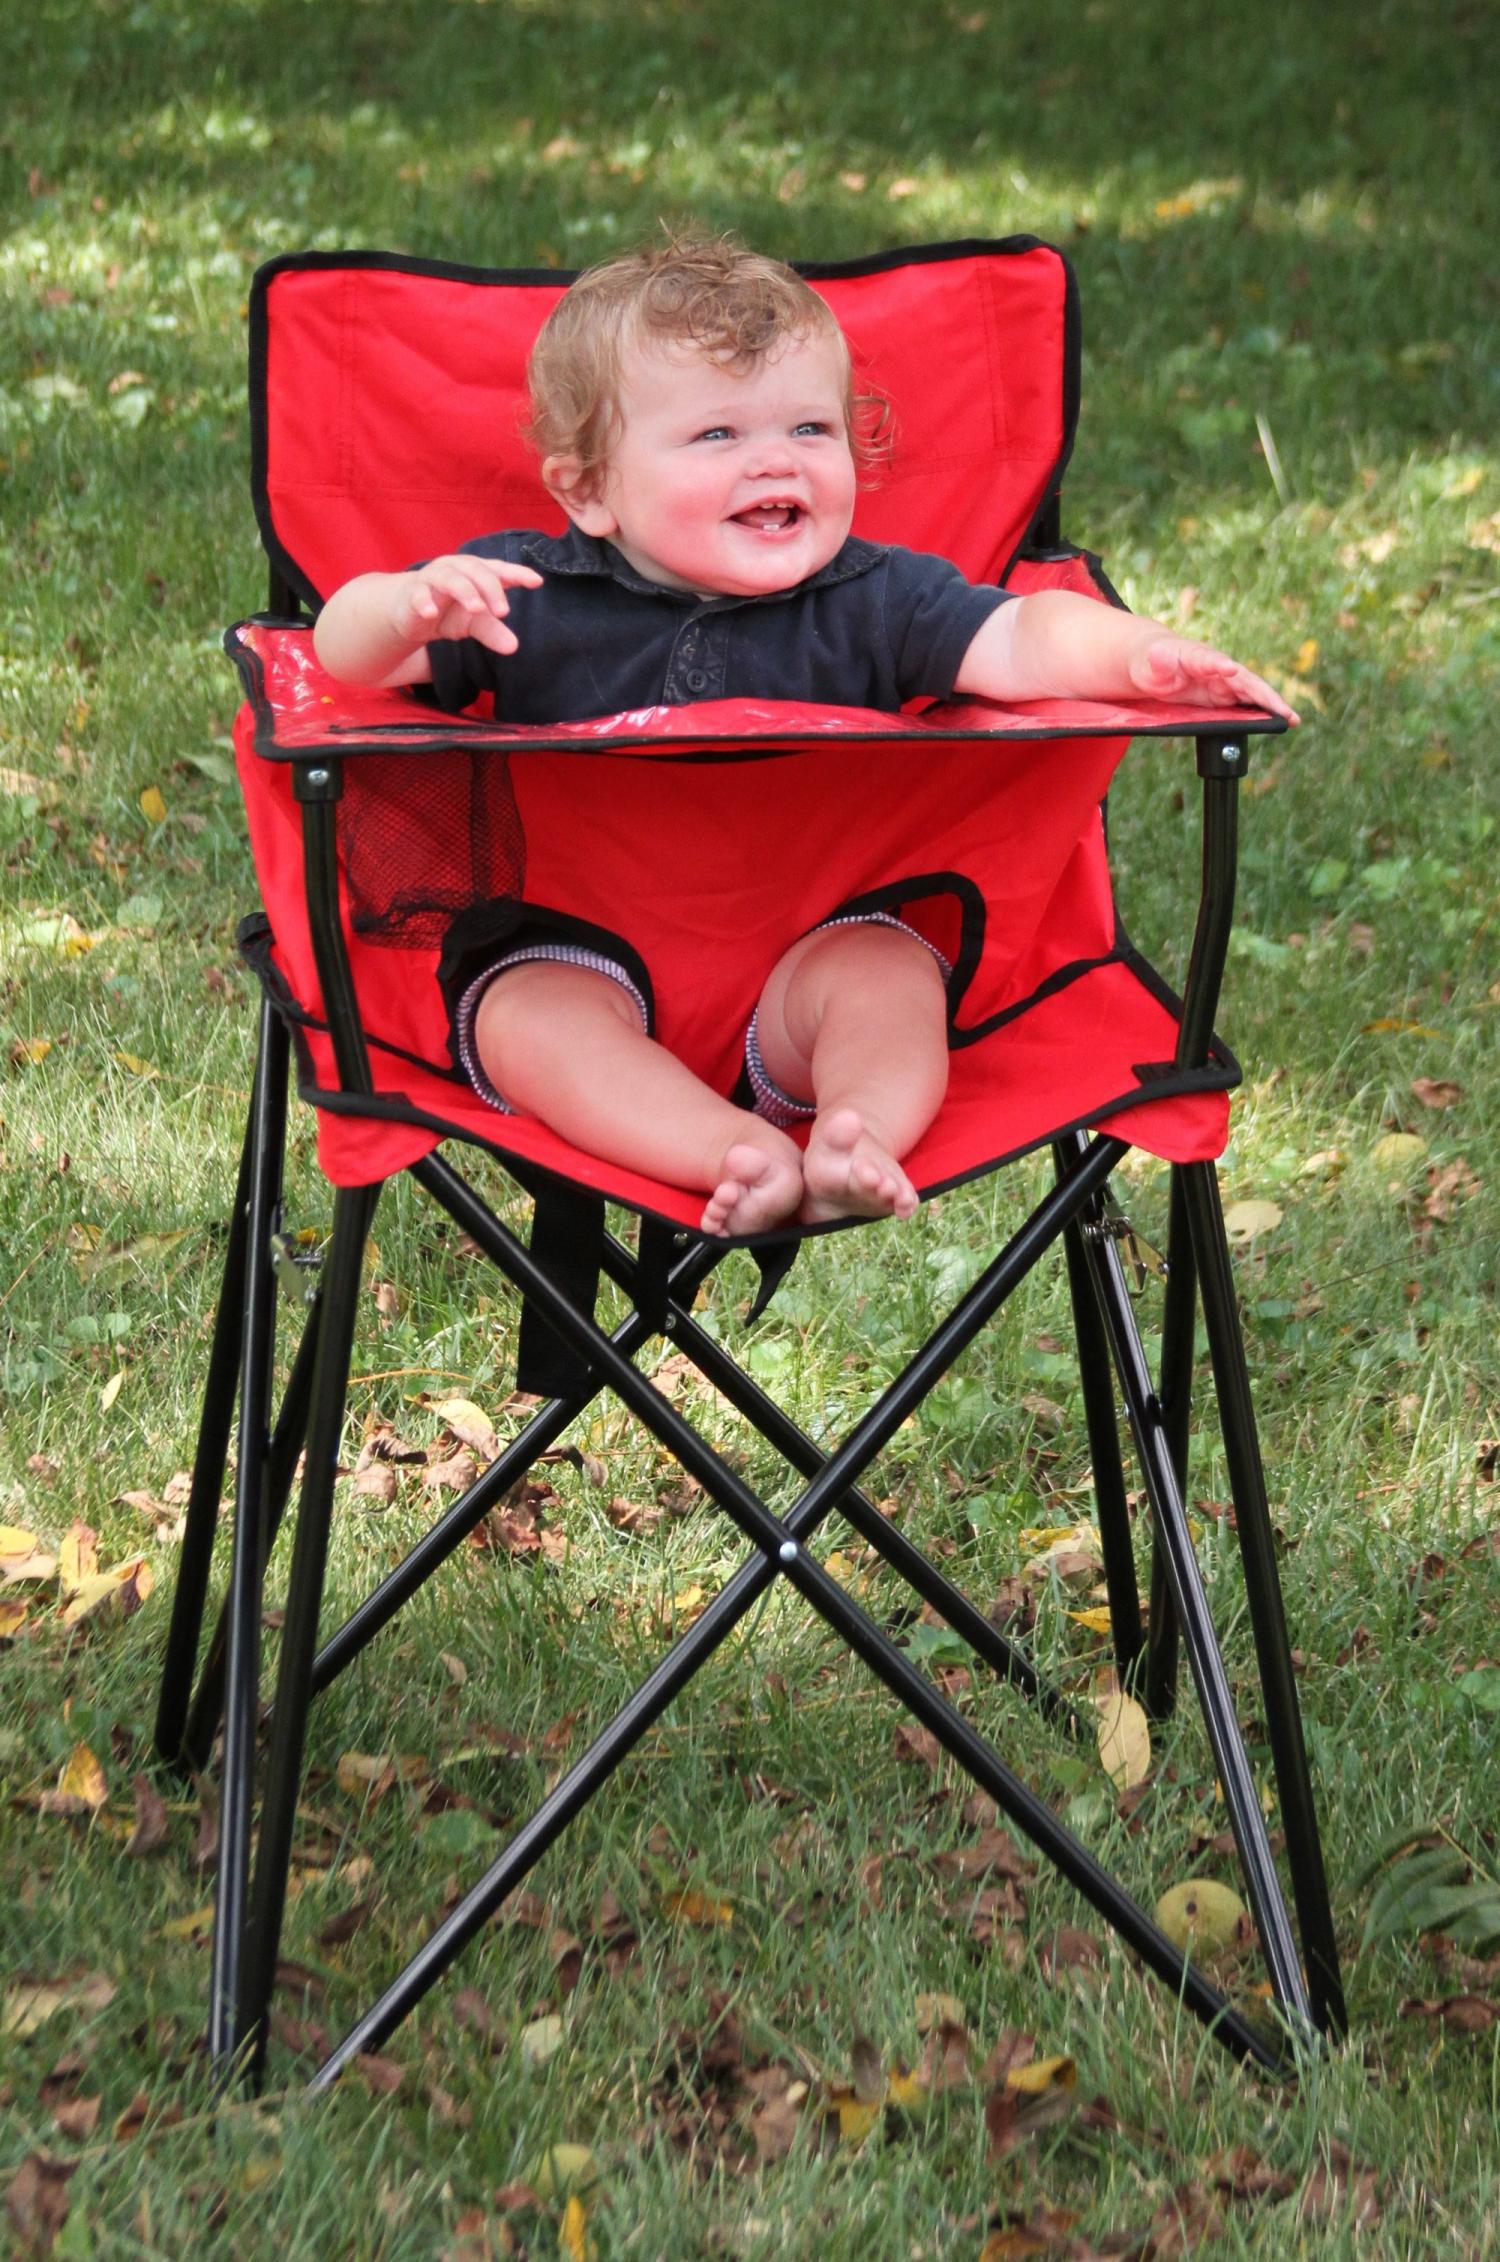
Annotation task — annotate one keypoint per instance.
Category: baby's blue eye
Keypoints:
(815, 428)
(715, 432)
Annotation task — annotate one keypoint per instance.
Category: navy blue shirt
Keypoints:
(874, 627)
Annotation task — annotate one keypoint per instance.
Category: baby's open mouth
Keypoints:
(769, 518)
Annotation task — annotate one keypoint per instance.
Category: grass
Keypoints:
(1296, 226)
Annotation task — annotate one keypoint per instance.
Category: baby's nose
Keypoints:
(771, 458)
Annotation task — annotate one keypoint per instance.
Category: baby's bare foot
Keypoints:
(757, 1190)
(847, 1173)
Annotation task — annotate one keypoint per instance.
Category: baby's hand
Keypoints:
(455, 597)
(1177, 667)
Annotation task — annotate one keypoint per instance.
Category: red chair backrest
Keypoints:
(388, 394)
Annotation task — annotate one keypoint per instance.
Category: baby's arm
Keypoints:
(1055, 644)
(376, 629)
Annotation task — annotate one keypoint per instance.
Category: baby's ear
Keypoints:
(577, 490)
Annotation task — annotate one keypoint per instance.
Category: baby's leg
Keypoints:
(854, 1019)
(566, 1044)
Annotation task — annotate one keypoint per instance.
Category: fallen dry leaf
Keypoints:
(150, 1832)
(1436, 1091)
(28, 2004)
(37, 2201)
(81, 1787)
(1124, 1737)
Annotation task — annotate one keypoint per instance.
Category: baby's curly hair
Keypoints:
(704, 291)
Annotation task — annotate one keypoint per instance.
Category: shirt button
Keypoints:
(696, 680)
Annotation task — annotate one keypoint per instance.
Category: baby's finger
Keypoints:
(497, 635)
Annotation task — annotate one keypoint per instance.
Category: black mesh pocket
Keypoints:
(424, 836)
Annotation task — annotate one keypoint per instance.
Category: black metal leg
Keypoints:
(201, 1524)
(242, 1685)
(891, 1544)
(281, 1461)
(781, 1549)
(1174, 1391)
(1215, 1695)
(1097, 1379)
(1263, 1596)
(340, 1296)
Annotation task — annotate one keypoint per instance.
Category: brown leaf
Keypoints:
(455, 1474)
(206, 1843)
(992, 1850)
(630, 1516)
(1012, 2118)
(378, 1482)
(1070, 1950)
(78, 2117)
(1465, 2014)
(472, 2011)
(383, 2075)
(1436, 1091)
(36, 2200)
(1014, 2048)
(1245, 2175)
(1340, 2191)
(945, 2057)
(150, 1832)
(343, 1927)
(911, 1742)
(1186, 2223)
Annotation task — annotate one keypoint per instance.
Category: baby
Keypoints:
(694, 407)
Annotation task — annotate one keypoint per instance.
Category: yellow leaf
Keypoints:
(541, 2040)
(36, 1569)
(117, 1592)
(1124, 1741)
(908, 2090)
(691, 1907)
(135, 1064)
(28, 1052)
(153, 807)
(563, 2168)
(470, 1424)
(29, 2004)
(937, 2010)
(16, 1540)
(78, 1557)
(111, 1390)
(83, 1778)
(1037, 1536)
(1200, 1915)
(12, 1619)
(855, 2118)
(1042, 2075)
(572, 2233)
(1396, 1025)
(189, 1927)
(1243, 1221)
(1097, 1621)
(1398, 1150)
(1307, 657)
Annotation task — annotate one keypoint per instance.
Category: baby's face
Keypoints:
(730, 484)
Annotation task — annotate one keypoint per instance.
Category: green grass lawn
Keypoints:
(1287, 235)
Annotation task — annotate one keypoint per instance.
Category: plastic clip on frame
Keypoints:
(1037, 1009)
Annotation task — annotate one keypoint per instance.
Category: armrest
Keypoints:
(302, 713)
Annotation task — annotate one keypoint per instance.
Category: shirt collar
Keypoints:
(578, 553)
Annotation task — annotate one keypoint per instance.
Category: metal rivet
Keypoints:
(1232, 753)
(317, 777)
(788, 1551)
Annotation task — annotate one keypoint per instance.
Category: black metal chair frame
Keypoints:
(1114, 1370)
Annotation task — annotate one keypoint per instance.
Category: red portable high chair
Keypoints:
(394, 845)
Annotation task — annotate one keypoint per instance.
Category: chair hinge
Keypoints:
(297, 1263)
(1142, 1262)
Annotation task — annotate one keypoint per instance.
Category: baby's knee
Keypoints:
(547, 1003)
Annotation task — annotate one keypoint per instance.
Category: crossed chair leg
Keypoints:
(249, 1911)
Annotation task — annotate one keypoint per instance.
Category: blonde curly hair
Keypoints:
(704, 291)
